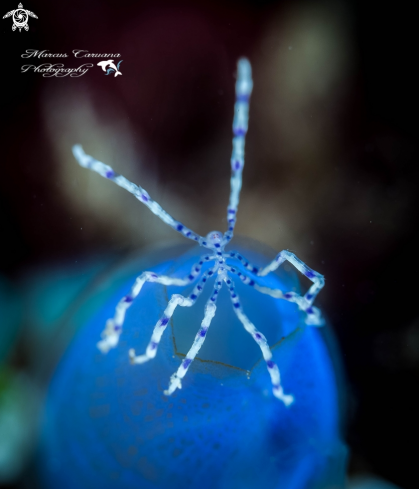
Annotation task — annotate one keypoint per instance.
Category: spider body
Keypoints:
(223, 263)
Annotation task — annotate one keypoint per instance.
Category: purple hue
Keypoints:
(110, 174)
(239, 131)
(153, 345)
(164, 321)
(237, 165)
(244, 97)
(310, 274)
(117, 327)
(270, 364)
(186, 363)
(203, 332)
(258, 336)
(144, 197)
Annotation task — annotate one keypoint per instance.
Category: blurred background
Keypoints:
(331, 173)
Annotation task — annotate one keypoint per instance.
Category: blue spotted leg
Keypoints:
(260, 339)
(244, 86)
(161, 325)
(210, 308)
(113, 329)
(313, 314)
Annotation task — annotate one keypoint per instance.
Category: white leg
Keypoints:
(113, 329)
(315, 277)
(210, 308)
(314, 316)
(138, 192)
(244, 87)
(161, 325)
(263, 345)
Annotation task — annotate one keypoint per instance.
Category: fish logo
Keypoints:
(109, 67)
(20, 18)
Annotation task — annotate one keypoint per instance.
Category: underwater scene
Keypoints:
(203, 204)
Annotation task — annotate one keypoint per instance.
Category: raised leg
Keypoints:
(315, 277)
(210, 308)
(314, 316)
(113, 328)
(263, 345)
(138, 192)
(244, 87)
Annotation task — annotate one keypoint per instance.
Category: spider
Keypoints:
(222, 269)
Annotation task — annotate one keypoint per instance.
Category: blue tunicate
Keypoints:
(107, 423)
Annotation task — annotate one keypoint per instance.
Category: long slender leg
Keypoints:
(244, 87)
(244, 261)
(315, 277)
(263, 345)
(159, 328)
(210, 308)
(113, 328)
(138, 192)
(314, 316)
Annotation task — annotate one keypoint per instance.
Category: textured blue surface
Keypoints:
(107, 423)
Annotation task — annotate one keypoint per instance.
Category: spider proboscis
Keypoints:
(222, 270)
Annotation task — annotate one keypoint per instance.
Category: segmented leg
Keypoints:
(315, 277)
(113, 328)
(313, 318)
(263, 345)
(138, 192)
(244, 87)
(236, 255)
(210, 308)
(159, 328)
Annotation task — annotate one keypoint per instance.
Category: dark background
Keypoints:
(331, 163)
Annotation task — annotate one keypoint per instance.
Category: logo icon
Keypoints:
(20, 18)
(111, 67)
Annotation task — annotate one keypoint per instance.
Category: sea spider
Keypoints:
(215, 241)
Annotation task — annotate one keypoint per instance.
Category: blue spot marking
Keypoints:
(288, 295)
(164, 321)
(244, 97)
(310, 274)
(179, 227)
(258, 336)
(231, 211)
(309, 296)
(233, 270)
(230, 229)
(252, 283)
(197, 269)
(219, 253)
(153, 345)
(128, 298)
(309, 310)
(237, 165)
(117, 327)
(191, 277)
(193, 296)
(203, 332)
(239, 131)
(255, 270)
(210, 272)
(188, 233)
(144, 197)
(270, 364)
(110, 174)
(234, 296)
(236, 305)
(199, 287)
(186, 363)
(204, 243)
(217, 245)
(204, 279)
